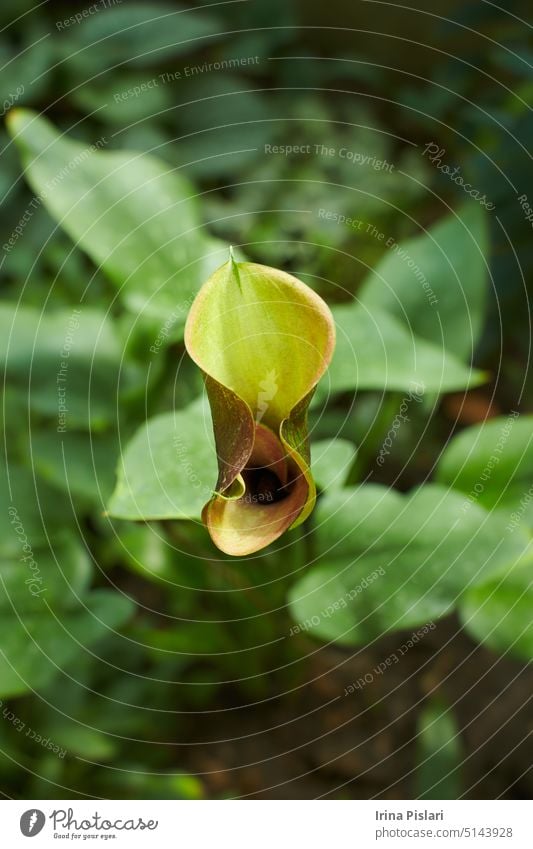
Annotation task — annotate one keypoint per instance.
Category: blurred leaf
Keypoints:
(37, 646)
(127, 98)
(11, 9)
(218, 99)
(144, 549)
(449, 263)
(143, 34)
(498, 613)
(192, 639)
(8, 177)
(81, 740)
(439, 754)
(331, 462)
(134, 782)
(69, 359)
(81, 464)
(25, 66)
(31, 507)
(46, 253)
(223, 125)
(133, 215)
(374, 351)
(519, 60)
(169, 468)
(57, 574)
(429, 549)
(493, 463)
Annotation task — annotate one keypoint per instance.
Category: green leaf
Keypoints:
(133, 782)
(439, 754)
(493, 464)
(26, 58)
(81, 464)
(331, 462)
(169, 467)
(132, 214)
(498, 613)
(144, 549)
(143, 34)
(81, 740)
(225, 126)
(120, 109)
(391, 561)
(67, 363)
(29, 511)
(375, 351)
(36, 647)
(57, 574)
(448, 263)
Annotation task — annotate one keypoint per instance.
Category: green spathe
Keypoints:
(263, 340)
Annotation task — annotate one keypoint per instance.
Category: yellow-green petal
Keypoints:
(261, 333)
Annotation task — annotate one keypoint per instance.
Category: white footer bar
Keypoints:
(266, 824)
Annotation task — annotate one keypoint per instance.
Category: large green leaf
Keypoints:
(375, 351)
(35, 647)
(81, 464)
(169, 467)
(141, 34)
(498, 613)
(135, 216)
(68, 364)
(389, 561)
(449, 261)
(493, 464)
(57, 574)
(30, 511)
(331, 460)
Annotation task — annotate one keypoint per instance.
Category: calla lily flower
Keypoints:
(263, 340)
